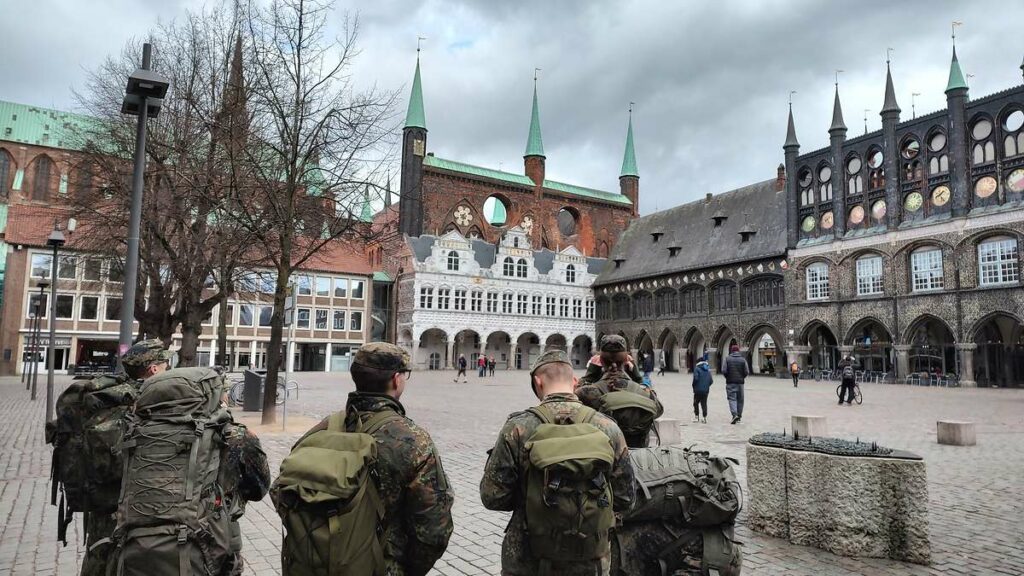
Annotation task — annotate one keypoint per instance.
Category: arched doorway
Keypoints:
(527, 350)
(766, 353)
(724, 340)
(580, 353)
(872, 346)
(999, 358)
(644, 349)
(467, 343)
(824, 354)
(556, 342)
(695, 347)
(932, 347)
(433, 348)
(669, 346)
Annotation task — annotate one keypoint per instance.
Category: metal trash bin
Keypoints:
(252, 396)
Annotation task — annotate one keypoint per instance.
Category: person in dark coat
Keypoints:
(491, 364)
(847, 371)
(736, 370)
(702, 381)
(462, 368)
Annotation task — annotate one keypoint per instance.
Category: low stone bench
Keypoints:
(809, 426)
(668, 431)
(866, 506)
(956, 433)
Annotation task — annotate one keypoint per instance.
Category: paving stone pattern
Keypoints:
(975, 509)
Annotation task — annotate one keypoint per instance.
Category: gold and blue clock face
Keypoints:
(913, 202)
(940, 195)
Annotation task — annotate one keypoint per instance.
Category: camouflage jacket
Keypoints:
(245, 473)
(501, 488)
(415, 489)
(595, 372)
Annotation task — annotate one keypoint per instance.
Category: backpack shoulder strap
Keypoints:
(585, 415)
(378, 420)
(542, 412)
(336, 422)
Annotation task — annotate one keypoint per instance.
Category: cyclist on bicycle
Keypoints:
(848, 379)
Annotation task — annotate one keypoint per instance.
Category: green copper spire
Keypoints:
(366, 214)
(415, 118)
(534, 143)
(956, 76)
(629, 156)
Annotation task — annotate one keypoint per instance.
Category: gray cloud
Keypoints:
(710, 79)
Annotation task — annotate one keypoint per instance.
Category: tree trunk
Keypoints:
(274, 346)
(224, 358)
(190, 331)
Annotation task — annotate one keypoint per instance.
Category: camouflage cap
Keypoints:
(146, 352)
(613, 343)
(550, 357)
(383, 356)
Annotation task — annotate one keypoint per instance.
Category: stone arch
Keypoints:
(405, 338)
(528, 348)
(42, 176)
(932, 346)
(498, 345)
(999, 356)
(668, 344)
(695, 344)
(872, 344)
(556, 341)
(466, 343)
(8, 168)
(823, 344)
(433, 349)
(766, 352)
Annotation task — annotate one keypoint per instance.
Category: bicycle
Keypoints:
(857, 396)
(237, 391)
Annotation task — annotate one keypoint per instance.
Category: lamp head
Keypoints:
(56, 239)
(42, 284)
(146, 83)
(132, 105)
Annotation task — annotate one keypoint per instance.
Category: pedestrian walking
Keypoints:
(794, 371)
(736, 370)
(848, 377)
(661, 364)
(481, 366)
(462, 368)
(648, 364)
(491, 364)
(702, 381)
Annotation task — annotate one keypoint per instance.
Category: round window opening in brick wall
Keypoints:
(496, 210)
(566, 221)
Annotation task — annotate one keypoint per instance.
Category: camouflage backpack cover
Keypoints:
(86, 466)
(328, 500)
(631, 407)
(567, 493)
(174, 517)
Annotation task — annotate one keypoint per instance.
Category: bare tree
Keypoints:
(316, 143)
(193, 148)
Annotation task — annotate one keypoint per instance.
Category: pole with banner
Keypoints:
(289, 321)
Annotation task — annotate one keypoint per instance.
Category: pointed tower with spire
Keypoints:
(837, 136)
(956, 109)
(792, 150)
(414, 149)
(890, 118)
(533, 158)
(233, 118)
(629, 176)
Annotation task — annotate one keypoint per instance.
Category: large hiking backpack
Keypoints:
(86, 466)
(174, 517)
(653, 548)
(568, 492)
(328, 500)
(692, 488)
(631, 408)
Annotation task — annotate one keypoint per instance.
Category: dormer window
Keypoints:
(746, 233)
(655, 236)
(719, 218)
(618, 262)
(673, 251)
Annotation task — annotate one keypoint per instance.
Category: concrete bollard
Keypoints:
(956, 433)
(668, 431)
(804, 426)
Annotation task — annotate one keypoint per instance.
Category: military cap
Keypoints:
(550, 357)
(383, 356)
(146, 352)
(613, 343)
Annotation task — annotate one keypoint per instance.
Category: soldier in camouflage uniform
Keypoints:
(616, 364)
(244, 477)
(502, 487)
(144, 359)
(416, 493)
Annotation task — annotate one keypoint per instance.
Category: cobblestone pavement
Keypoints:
(976, 510)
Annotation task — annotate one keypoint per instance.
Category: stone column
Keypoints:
(967, 364)
(449, 361)
(902, 361)
(415, 352)
(714, 362)
(657, 358)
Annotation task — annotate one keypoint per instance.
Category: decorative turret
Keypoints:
(890, 118)
(629, 176)
(956, 76)
(837, 116)
(414, 148)
(533, 158)
(956, 109)
(792, 150)
(415, 117)
(837, 136)
(890, 104)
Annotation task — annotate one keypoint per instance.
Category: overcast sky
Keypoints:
(710, 79)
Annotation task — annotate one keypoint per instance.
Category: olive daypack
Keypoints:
(568, 494)
(631, 407)
(174, 517)
(685, 486)
(86, 467)
(848, 373)
(329, 503)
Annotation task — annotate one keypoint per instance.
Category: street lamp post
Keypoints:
(56, 240)
(143, 98)
(43, 285)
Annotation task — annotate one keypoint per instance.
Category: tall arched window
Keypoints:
(855, 180)
(694, 300)
(998, 261)
(521, 268)
(939, 160)
(805, 179)
(763, 293)
(1013, 143)
(453, 260)
(825, 184)
(817, 281)
(723, 297)
(41, 179)
(83, 179)
(508, 267)
(926, 269)
(984, 149)
(6, 174)
(570, 274)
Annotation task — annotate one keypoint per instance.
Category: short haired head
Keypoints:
(551, 370)
(734, 348)
(381, 368)
(145, 358)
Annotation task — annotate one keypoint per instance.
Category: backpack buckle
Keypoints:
(200, 427)
(182, 535)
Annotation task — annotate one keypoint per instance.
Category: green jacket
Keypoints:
(417, 496)
(501, 487)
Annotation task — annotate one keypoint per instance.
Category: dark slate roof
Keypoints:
(483, 252)
(421, 246)
(544, 260)
(691, 227)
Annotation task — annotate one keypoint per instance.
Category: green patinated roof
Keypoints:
(629, 156)
(415, 117)
(534, 142)
(366, 213)
(379, 276)
(523, 180)
(956, 76)
(42, 126)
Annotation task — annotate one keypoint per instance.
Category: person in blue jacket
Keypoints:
(702, 381)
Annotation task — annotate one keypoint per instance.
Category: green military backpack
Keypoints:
(631, 408)
(86, 466)
(328, 500)
(568, 494)
(174, 517)
(689, 487)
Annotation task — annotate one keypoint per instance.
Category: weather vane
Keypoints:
(953, 30)
(866, 110)
(888, 55)
(913, 107)
(418, 40)
(791, 92)
(535, 70)
(838, 72)
(631, 108)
